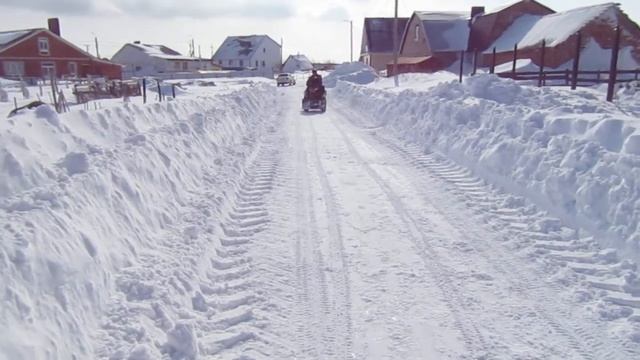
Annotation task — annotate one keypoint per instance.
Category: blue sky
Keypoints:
(315, 28)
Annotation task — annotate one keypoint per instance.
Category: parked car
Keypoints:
(285, 79)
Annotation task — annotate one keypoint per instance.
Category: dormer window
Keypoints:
(417, 35)
(43, 46)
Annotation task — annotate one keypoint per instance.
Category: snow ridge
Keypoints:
(531, 141)
(111, 221)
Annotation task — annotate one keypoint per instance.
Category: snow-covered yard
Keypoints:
(437, 220)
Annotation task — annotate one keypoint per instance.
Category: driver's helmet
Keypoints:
(314, 72)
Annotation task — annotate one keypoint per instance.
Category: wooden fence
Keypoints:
(569, 77)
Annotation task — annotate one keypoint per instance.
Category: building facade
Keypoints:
(259, 53)
(42, 53)
(377, 48)
(149, 60)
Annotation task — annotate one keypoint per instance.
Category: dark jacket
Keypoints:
(314, 81)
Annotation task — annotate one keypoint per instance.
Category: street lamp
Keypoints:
(396, 49)
(351, 36)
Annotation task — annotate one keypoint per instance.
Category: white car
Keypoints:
(285, 79)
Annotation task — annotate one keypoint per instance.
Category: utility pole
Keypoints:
(97, 48)
(351, 32)
(350, 37)
(396, 50)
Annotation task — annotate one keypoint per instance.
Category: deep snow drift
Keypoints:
(569, 152)
(355, 72)
(87, 194)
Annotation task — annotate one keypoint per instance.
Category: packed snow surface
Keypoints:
(569, 152)
(434, 220)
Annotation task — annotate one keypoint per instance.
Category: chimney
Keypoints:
(54, 26)
(137, 42)
(476, 10)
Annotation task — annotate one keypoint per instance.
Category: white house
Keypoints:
(297, 63)
(149, 60)
(259, 52)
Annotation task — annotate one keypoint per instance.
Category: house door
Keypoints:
(48, 69)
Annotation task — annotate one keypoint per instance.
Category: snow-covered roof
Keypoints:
(556, 28)
(530, 30)
(240, 47)
(297, 63)
(446, 31)
(161, 51)
(7, 37)
(506, 6)
(515, 33)
(380, 33)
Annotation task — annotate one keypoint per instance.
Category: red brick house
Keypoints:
(377, 41)
(39, 53)
(432, 41)
(559, 31)
(488, 27)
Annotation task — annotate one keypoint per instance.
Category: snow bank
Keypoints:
(355, 72)
(570, 152)
(86, 195)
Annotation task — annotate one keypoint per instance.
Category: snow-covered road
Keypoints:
(236, 226)
(374, 250)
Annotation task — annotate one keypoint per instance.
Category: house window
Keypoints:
(220, 62)
(417, 36)
(48, 69)
(264, 50)
(184, 66)
(257, 63)
(43, 46)
(263, 63)
(13, 68)
(241, 63)
(176, 65)
(230, 62)
(73, 69)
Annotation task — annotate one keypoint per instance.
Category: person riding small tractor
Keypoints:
(315, 96)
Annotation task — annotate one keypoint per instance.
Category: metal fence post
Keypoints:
(541, 71)
(613, 70)
(461, 64)
(475, 62)
(515, 57)
(576, 62)
(144, 90)
(493, 62)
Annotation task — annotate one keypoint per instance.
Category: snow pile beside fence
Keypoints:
(355, 72)
(86, 194)
(569, 152)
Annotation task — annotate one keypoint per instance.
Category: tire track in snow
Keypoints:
(472, 337)
(581, 339)
(341, 314)
(312, 284)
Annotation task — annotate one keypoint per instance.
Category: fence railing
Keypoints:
(566, 77)
(574, 77)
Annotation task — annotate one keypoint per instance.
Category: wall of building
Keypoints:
(63, 57)
(270, 53)
(600, 32)
(410, 45)
(486, 29)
